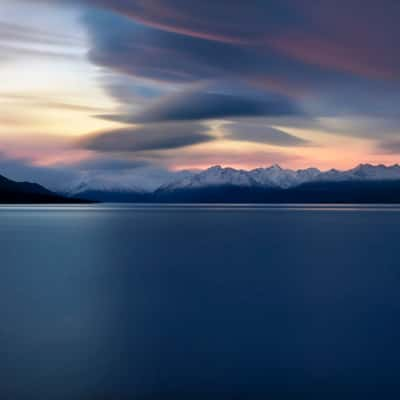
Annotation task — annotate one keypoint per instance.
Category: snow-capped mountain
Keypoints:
(134, 187)
(131, 182)
(283, 178)
(214, 176)
(274, 176)
(277, 177)
(363, 172)
(101, 185)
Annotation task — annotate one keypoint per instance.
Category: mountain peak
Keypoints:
(275, 166)
(215, 168)
(277, 177)
(273, 176)
(367, 166)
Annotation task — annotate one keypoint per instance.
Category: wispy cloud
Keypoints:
(49, 103)
(203, 105)
(261, 133)
(168, 70)
(11, 32)
(147, 138)
(389, 146)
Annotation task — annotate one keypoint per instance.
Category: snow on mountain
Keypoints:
(368, 171)
(363, 172)
(277, 177)
(214, 176)
(128, 182)
(282, 178)
(270, 177)
(102, 185)
(274, 176)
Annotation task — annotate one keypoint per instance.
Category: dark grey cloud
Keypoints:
(148, 138)
(143, 52)
(202, 105)
(140, 51)
(260, 133)
(347, 36)
(334, 59)
(129, 91)
(219, 20)
(168, 56)
(198, 105)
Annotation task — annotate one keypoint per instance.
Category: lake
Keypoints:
(199, 302)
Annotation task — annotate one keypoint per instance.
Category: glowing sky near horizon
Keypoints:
(173, 84)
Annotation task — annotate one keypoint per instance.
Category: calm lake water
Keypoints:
(199, 302)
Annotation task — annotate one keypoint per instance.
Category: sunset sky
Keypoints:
(114, 88)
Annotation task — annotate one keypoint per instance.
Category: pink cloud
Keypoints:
(338, 55)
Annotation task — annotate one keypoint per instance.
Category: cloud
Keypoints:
(129, 91)
(110, 164)
(246, 157)
(98, 172)
(121, 174)
(165, 57)
(147, 138)
(258, 36)
(137, 50)
(11, 52)
(389, 146)
(22, 40)
(202, 105)
(252, 132)
(335, 67)
(21, 169)
(220, 21)
(317, 33)
(49, 103)
(25, 34)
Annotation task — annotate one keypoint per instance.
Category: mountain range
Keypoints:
(365, 183)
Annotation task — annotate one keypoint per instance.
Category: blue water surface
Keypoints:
(199, 302)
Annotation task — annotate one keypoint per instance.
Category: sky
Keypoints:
(131, 90)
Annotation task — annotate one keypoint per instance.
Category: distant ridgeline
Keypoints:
(363, 184)
(30, 193)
